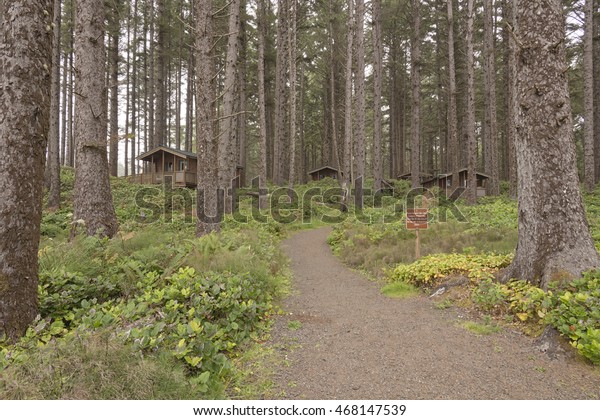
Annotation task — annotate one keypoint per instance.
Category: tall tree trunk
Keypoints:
(513, 103)
(189, 119)
(207, 190)
(334, 150)
(280, 84)
(113, 57)
(92, 202)
(262, 109)
(347, 163)
(588, 96)
(453, 151)
(554, 239)
(303, 166)
(53, 164)
(25, 60)
(70, 127)
(153, 140)
(242, 96)
(160, 123)
(134, 89)
(377, 92)
(360, 149)
(179, 73)
(491, 123)
(228, 137)
(470, 126)
(596, 57)
(415, 125)
(292, 96)
(127, 95)
(64, 121)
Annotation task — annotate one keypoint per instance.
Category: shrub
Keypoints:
(577, 315)
(430, 269)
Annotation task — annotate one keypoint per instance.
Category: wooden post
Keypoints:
(418, 246)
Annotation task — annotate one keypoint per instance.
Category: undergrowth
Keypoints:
(152, 313)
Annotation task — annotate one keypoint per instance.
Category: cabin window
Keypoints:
(448, 182)
(182, 165)
(334, 176)
(169, 167)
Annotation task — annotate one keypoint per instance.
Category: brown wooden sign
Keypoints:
(416, 219)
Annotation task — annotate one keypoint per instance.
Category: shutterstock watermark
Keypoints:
(283, 205)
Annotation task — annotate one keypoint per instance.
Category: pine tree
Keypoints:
(92, 201)
(554, 238)
(25, 63)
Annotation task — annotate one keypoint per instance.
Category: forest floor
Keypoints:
(342, 339)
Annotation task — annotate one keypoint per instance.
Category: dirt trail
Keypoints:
(355, 343)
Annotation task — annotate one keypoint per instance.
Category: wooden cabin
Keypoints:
(445, 181)
(324, 172)
(166, 165)
(176, 167)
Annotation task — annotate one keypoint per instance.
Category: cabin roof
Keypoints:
(322, 168)
(176, 152)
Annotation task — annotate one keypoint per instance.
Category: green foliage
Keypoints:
(399, 290)
(158, 292)
(527, 302)
(95, 365)
(577, 315)
(492, 213)
(488, 295)
(479, 328)
(294, 325)
(430, 269)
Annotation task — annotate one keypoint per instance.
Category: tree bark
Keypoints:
(160, 123)
(53, 163)
(588, 96)
(513, 104)
(25, 60)
(377, 92)
(207, 190)
(262, 109)
(292, 96)
(228, 157)
(453, 151)
(134, 88)
(359, 132)
(348, 157)
(554, 239)
(280, 89)
(64, 121)
(415, 125)
(242, 95)
(113, 58)
(596, 57)
(152, 139)
(71, 124)
(92, 202)
(491, 123)
(470, 127)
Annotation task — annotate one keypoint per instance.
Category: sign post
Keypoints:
(416, 219)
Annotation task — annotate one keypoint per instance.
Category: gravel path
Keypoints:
(354, 343)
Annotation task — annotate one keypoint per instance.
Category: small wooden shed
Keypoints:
(324, 172)
(445, 181)
(168, 165)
